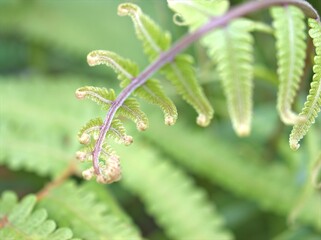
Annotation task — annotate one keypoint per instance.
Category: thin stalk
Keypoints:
(182, 44)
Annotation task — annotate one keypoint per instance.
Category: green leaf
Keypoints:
(194, 13)
(290, 37)
(177, 204)
(127, 70)
(179, 71)
(77, 208)
(312, 105)
(231, 48)
(20, 221)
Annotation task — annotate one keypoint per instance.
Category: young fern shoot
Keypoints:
(227, 36)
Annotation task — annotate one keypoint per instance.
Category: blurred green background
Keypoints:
(43, 48)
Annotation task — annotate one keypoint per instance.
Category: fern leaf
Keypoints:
(232, 49)
(78, 208)
(180, 71)
(151, 91)
(194, 13)
(290, 34)
(20, 221)
(313, 103)
(105, 98)
(183, 218)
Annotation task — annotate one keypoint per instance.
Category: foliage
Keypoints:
(179, 182)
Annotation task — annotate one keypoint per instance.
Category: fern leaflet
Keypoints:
(290, 41)
(313, 103)
(125, 69)
(20, 221)
(180, 71)
(232, 49)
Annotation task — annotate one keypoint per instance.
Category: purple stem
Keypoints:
(179, 46)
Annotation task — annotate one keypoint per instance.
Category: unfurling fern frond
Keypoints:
(290, 36)
(108, 162)
(127, 70)
(105, 98)
(312, 105)
(179, 71)
(20, 221)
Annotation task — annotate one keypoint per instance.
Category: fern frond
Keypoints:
(20, 221)
(194, 13)
(232, 49)
(78, 208)
(179, 71)
(290, 35)
(271, 186)
(127, 70)
(105, 98)
(312, 105)
(183, 218)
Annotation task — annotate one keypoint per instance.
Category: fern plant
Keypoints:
(178, 182)
(227, 36)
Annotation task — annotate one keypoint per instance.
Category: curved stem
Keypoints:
(179, 46)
